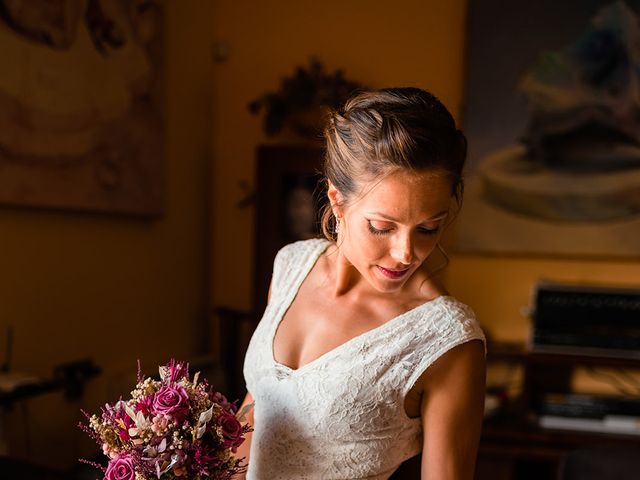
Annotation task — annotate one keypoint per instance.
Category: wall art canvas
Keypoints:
(80, 105)
(552, 115)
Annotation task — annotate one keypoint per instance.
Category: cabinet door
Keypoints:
(290, 195)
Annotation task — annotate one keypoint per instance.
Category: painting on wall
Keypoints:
(80, 105)
(552, 116)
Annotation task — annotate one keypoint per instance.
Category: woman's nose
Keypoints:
(402, 250)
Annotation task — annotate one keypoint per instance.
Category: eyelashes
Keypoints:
(378, 232)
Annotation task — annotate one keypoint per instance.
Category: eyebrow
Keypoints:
(437, 216)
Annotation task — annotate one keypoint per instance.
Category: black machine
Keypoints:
(586, 320)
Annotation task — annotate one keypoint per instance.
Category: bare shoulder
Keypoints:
(461, 364)
(469, 352)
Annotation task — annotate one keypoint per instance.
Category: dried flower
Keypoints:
(307, 91)
(170, 429)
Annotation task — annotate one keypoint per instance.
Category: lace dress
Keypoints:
(342, 415)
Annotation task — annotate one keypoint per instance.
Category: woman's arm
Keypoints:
(244, 449)
(452, 410)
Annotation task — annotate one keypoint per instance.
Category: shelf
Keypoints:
(519, 353)
(506, 351)
(515, 432)
(512, 442)
(525, 440)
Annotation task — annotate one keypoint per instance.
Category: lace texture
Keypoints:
(342, 415)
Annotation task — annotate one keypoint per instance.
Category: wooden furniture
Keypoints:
(69, 377)
(601, 464)
(283, 172)
(287, 202)
(513, 446)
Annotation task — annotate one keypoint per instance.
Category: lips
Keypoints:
(393, 274)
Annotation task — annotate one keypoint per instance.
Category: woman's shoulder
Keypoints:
(450, 318)
(301, 248)
(437, 327)
(294, 254)
(456, 309)
(295, 257)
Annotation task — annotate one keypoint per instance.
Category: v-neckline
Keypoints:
(291, 297)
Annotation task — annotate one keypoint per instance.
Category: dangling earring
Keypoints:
(337, 227)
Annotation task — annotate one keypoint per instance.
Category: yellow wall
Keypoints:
(110, 288)
(406, 42)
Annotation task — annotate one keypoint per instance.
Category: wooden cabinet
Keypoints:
(289, 197)
(513, 446)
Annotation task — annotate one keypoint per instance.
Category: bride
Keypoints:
(362, 360)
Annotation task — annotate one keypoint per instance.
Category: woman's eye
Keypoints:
(429, 231)
(377, 231)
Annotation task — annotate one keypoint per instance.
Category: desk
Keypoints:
(68, 377)
(28, 389)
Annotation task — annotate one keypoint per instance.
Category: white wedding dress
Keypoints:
(342, 415)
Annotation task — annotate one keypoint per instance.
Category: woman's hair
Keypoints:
(378, 132)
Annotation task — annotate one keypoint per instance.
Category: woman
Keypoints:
(362, 360)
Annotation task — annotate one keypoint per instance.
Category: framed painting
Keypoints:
(80, 105)
(550, 113)
(289, 199)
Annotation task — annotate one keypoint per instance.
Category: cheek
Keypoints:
(366, 247)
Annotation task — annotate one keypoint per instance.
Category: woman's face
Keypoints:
(389, 232)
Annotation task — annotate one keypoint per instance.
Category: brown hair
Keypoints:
(377, 132)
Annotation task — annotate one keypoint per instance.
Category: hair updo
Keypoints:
(378, 132)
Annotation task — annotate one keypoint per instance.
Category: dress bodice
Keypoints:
(342, 415)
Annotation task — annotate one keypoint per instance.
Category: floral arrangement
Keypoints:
(172, 428)
(301, 99)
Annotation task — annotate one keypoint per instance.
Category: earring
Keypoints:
(337, 227)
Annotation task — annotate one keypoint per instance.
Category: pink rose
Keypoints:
(120, 468)
(171, 400)
(231, 430)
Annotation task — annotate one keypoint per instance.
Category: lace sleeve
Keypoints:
(456, 324)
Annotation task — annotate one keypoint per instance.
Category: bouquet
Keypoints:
(172, 428)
